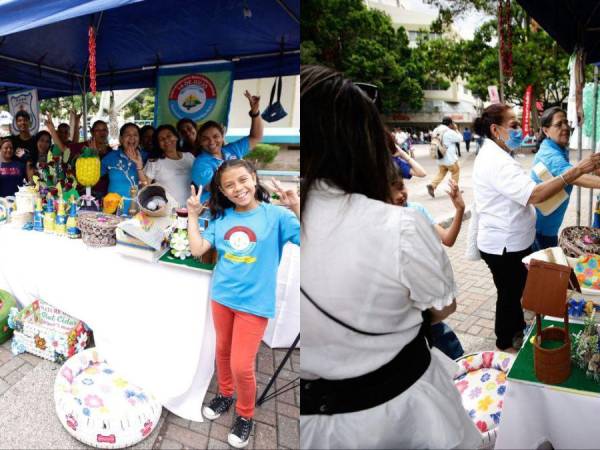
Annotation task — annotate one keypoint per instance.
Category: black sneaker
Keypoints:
(239, 435)
(430, 190)
(217, 406)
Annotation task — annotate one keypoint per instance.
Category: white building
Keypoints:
(456, 102)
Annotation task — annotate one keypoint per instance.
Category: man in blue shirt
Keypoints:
(467, 136)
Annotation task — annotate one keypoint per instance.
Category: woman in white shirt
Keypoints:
(504, 199)
(369, 272)
(173, 168)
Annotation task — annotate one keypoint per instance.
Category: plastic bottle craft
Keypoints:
(87, 170)
(72, 230)
(179, 242)
(38, 215)
(49, 215)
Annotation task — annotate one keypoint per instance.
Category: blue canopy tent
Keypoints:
(573, 24)
(45, 44)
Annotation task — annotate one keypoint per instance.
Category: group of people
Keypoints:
(375, 276)
(171, 156)
(202, 173)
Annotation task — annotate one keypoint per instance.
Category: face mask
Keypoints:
(515, 138)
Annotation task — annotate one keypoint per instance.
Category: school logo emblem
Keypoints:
(24, 102)
(241, 241)
(193, 96)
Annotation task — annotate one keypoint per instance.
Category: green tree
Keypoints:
(363, 44)
(59, 107)
(142, 107)
(537, 59)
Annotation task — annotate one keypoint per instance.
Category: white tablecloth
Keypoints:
(151, 321)
(533, 414)
(285, 326)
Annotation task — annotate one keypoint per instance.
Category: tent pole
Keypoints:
(85, 127)
(579, 157)
(591, 214)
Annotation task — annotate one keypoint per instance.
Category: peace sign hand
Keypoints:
(287, 198)
(254, 101)
(194, 206)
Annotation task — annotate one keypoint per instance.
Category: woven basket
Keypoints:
(98, 229)
(572, 242)
(553, 366)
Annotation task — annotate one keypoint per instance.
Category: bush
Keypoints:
(263, 154)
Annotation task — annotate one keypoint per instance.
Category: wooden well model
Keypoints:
(546, 293)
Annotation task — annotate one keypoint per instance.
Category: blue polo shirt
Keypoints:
(206, 164)
(403, 167)
(556, 160)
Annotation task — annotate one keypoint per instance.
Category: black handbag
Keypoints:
(274, 111)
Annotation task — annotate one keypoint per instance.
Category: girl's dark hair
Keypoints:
(390, 141)
(493, 114)
(218, 203)
(40, 134)
(548, 117)
(127, 125)
(158, 152)
(343, 137)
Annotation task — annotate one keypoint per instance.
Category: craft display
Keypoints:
(586, 350)
(47, 332)
(179, 242)
(88, 170)
(98, 229)
(7, 302)
(111, 202)
(99, 407)
(49, 215)
(38, 215)
(143, 237)
(546, 293)
(5, 210)
(25, 199)
(587, 270)
(578, 241)
(60, 226)
(481, 381)
(73, 230)
(154, 201)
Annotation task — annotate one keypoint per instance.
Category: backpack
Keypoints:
(437, 149)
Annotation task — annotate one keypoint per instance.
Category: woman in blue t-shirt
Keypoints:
(12, 173)
(249, 234)
(211, 138)
(124, 165)
(552, 160)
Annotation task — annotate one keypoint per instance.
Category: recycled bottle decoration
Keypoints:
(49, 215)
(179, 242)
(60, 227)
(38, 215)
(87, 171)
(546, 293)
(132, 206)
(72, 230)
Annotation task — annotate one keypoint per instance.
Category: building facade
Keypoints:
(456, 102)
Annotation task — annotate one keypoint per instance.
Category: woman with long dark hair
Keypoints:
(552, 160)
(504, 199)
(369, 271)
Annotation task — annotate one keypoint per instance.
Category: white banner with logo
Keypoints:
(24, 101)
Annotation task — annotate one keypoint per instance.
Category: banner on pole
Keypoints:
(24, 101)
(493, 93)
(200, 93)
(525, 122)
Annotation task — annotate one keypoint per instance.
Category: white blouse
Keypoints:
(375, 267)
(502, 189)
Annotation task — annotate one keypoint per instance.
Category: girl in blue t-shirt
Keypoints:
(249, 234)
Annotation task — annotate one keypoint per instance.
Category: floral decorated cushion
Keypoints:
(99, 407)
(481, 382)
(587, 270)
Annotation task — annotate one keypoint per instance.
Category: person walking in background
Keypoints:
(451, 138)
(467, 136)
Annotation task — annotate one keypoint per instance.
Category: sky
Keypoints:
(465, 26)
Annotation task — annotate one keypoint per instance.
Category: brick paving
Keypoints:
(277, 420)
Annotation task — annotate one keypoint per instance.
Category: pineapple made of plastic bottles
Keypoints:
(87, 168)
